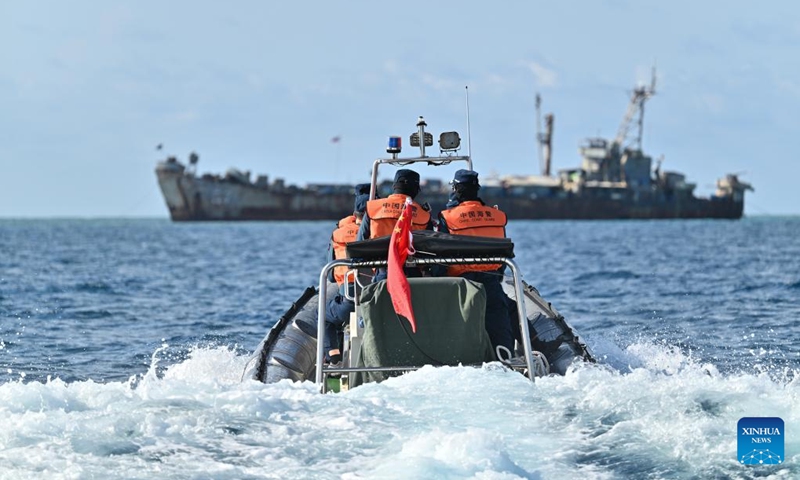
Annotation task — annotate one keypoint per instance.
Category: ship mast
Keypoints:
(545, 139)
(638, 97)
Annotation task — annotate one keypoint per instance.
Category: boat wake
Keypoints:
(665, 415)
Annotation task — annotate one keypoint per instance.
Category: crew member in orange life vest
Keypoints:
(338, 308)
(382, 214)
(466, 214)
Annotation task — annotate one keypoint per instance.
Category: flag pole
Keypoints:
(338, 156)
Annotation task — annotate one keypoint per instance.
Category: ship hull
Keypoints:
(606, 209)
(191, 198)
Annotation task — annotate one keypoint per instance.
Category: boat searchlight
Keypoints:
(449, 141)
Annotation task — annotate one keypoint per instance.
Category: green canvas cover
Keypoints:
(450, 314)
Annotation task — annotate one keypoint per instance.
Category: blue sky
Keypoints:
(87, 89)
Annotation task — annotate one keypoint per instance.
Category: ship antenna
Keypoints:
(469, 131)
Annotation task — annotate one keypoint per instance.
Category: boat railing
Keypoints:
(435, 161)
(322, 370)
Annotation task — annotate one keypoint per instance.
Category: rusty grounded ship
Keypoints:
(616, 180)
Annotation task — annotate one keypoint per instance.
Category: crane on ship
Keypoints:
(639, 96)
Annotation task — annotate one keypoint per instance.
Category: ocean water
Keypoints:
(122, 345)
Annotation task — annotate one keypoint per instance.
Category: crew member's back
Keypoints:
(466, 214)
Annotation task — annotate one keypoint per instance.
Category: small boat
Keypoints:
(377, 343)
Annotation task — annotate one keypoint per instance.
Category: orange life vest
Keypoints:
(474, 219)
(346, 220)
(384, 212)
(346, 233)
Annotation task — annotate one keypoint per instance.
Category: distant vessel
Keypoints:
(615, 180)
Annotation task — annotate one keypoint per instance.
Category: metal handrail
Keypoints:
(411, 262)
(405, 161)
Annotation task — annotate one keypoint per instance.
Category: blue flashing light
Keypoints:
(395, 144)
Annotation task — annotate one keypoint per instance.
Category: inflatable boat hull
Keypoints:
(288, 351)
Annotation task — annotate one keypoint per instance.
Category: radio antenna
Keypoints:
(469, 132)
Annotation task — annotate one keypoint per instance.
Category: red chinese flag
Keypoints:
(396, 281)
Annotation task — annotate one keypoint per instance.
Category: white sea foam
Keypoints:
(669, 417)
